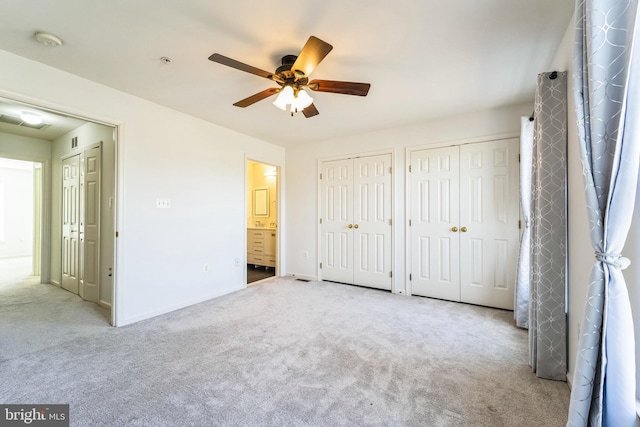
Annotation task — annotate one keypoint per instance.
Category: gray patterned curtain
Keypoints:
(547, 318)
(607, 95)
(521, 304)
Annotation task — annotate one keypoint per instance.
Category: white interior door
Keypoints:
(464, 222)
(70, 223)
(356, 221)
(337, 220)
(434, 221)
(489, 214)
(372, 221)
(90, 162)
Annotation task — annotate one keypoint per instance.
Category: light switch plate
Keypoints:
(163, 203)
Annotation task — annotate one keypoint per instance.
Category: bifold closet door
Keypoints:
(435, 240)
(372, 221)
(464, 222)
(336, 187)
(81, 223)
(70, 224)
(90, 171)
(356, 221)
(489, 213)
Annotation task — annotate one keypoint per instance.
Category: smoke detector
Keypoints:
(48, 39)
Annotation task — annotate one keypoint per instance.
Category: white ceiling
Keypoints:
(424, 58)
(53, 125)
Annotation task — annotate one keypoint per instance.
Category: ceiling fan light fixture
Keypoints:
(31, 118)
(301, 101)
(285, 97)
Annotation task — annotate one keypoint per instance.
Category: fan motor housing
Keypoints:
(287, 63)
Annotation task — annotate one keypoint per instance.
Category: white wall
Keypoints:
(24, 148)
(35, 150)
(87, 135)
(16, 238)
(302, 176)
(632, 276)
(161, 154)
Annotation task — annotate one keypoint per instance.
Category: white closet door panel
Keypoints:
(90, 224)
(70, 223)
(371, 221)
(489, 183)
(337, 214)
(434, 212)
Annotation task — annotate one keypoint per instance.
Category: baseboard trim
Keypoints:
(303, 276)
(54, 283)
(104, 304)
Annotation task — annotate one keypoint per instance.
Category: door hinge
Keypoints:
(409, 223)
(391, 274)
(389, 169)
(519, 224)
(390, 221)
(116, 234)
(518, 158)
(409, 276)
(320, 220)
(409, 168)
(320, 265)
(320, 176)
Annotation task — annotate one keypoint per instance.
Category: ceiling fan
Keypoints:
(293, 77)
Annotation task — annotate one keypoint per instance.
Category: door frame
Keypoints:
(47, 191)
(394, 210)
(407, 187)
(279, 212)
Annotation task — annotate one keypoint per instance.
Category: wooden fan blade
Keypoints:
(347, 88)
(310, 111)
(221, 59)
(257, 97)
(312, 53)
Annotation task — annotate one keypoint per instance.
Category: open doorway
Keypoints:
(45, 146)
(20, 221)
(262, 221)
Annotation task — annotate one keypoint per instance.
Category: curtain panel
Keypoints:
(521, 304)
(607, 94)
(547, 314)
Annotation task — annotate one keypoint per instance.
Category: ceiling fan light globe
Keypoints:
(279, 104)
(303, 100)
(284, 98)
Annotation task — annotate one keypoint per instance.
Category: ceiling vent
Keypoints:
(19, 122)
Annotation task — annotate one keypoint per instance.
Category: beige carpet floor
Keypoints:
(280, 353)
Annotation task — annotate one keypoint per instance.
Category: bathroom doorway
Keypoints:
(262, 221)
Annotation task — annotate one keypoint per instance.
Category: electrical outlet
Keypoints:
(205, 268)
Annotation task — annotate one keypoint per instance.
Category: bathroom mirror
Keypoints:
(261, 202)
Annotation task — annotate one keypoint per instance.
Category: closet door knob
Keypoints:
(463, 229)
(355, 226)
(454, 229)
(350, 226)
